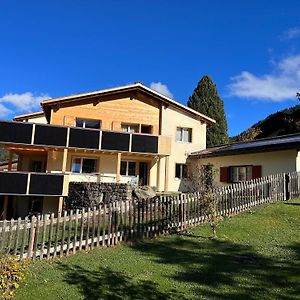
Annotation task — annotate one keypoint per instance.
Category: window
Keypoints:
(184, 135)
(128, 168)
(84, 165)
(181, 171)
(132, 128)
(146, 129)
(86, 123)
(240, 173)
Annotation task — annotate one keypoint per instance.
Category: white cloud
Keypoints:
(290, 34)
(25, 102)
(280, 85)
(4, 111)
(161, 88)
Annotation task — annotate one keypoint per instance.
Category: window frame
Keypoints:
(182, 129)
(84, 123)
(181, 171)
(248, 174)
(130, 125)
(81, 164)
(127, 168)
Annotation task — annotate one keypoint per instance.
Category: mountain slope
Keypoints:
(283, 122)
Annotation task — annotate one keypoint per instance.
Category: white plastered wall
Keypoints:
(298, 162)
(36, 119)
(271, 162)
(171, 119)
(107, 166)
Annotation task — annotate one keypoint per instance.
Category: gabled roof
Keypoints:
(29, 115)
(285, 142)
(46, 104)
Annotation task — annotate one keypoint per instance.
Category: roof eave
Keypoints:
(56, 101)
(270, 148)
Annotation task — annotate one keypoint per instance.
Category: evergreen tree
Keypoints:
(207, 101)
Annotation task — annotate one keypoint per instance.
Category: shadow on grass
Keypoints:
(211, 269)
(225, 270)
(292, 203)
(108, 284)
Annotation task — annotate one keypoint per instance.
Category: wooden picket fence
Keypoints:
(48, 236)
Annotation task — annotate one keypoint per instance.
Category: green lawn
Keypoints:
(256, 257)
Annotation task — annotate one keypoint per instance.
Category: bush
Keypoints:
(12, 272)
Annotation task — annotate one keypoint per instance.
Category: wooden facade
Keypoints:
(151, 120)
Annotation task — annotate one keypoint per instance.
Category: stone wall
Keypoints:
(90, 194)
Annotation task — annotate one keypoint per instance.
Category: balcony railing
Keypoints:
(100, 178)
(81, 138)
(33, 184)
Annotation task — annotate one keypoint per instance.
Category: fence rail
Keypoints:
(48, 236)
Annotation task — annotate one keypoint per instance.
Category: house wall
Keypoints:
(50, 205)
(34, 119)
(25, 160)
(106, 167)
(171, 119)
(54, 161)
(111, 112)
(21, 204)
(271, 162)
(133, 109)
(38, 120)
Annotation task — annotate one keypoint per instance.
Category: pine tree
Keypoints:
(207, 101)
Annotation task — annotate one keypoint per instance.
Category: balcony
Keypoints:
(33, 184)
(40, 135)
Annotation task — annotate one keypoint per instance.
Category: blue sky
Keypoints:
(55, 48)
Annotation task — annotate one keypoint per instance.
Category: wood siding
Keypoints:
(112, 112)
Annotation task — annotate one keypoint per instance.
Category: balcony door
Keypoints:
(38, 166)
(143, 171)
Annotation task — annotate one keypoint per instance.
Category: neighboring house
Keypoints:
(36, 117)
(126, 134)
(245, 161)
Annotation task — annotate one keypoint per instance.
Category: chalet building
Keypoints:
(250, 160)
(129, 134)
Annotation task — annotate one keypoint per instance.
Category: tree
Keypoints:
(203, 182)
(3, 154)
(207, 101)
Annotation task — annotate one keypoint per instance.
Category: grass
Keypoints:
(257, 256)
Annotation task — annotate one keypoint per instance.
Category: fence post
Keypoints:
(31, 236)
(181, 212)
(286, 187)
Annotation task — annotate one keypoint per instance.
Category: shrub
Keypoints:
(12, 272)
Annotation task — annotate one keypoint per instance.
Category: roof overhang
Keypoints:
(29, 115)
(47, 105)
(281, 143)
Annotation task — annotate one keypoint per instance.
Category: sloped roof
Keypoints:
(285, 142)
(29, 115)
(127, 88)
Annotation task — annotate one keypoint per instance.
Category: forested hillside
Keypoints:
(283, 122)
